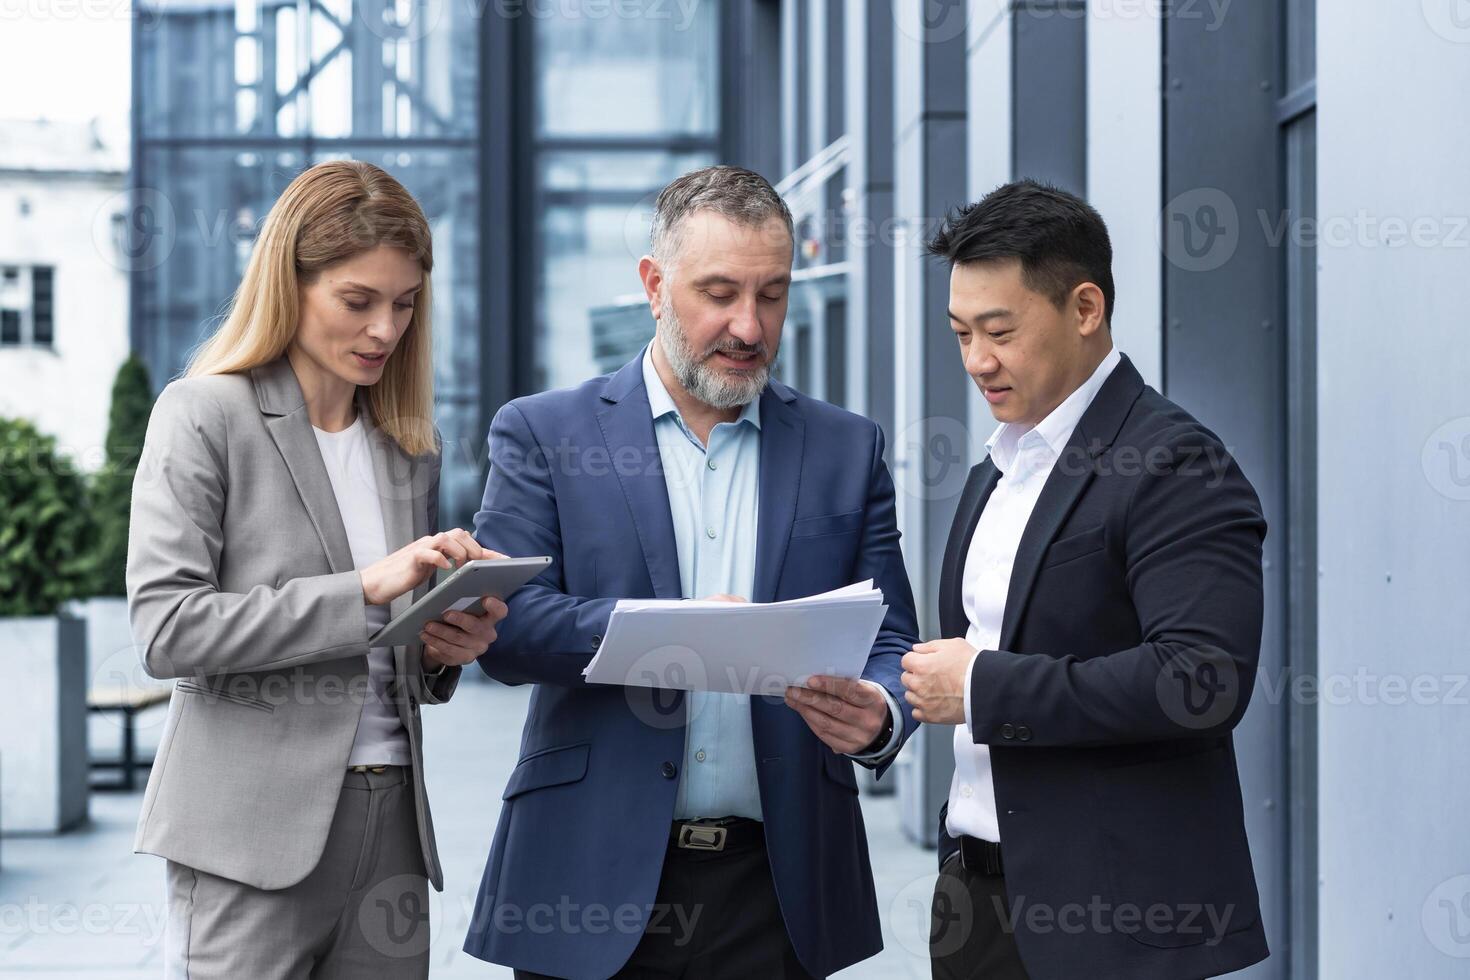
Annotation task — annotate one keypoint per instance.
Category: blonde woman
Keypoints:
(285, 509)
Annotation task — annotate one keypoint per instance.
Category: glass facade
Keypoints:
(621, 107)
(233, 99)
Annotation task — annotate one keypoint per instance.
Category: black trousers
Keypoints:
(971, 936)
(715, 918)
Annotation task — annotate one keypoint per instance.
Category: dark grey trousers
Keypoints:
(363, 911)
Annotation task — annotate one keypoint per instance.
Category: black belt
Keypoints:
(980, 857)
(726, 833)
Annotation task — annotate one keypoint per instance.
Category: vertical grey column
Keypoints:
(1224, 347)
(930, 406)
(1049, 89)
(870, 230)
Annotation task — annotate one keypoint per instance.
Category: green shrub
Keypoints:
(44, 527)
(112, 485)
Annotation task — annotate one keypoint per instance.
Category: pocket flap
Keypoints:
(549, 767)
(809, 527)
(1075, 546)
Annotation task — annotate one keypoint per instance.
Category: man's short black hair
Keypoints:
(1060, 239)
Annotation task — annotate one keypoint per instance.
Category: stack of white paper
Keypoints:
(738, 647)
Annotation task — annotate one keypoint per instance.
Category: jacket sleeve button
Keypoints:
(1007, 731)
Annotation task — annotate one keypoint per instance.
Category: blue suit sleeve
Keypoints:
(881, 559)
(547, 636)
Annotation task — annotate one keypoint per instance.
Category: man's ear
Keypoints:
(653, 280)
(1090, 307)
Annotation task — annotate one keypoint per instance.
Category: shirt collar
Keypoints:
(1050, 435)
(662, 403)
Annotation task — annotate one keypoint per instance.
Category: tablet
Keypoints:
(460, 589)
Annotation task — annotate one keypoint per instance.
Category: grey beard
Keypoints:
(708, 385)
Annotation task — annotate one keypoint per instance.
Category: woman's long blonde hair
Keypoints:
(328, 214)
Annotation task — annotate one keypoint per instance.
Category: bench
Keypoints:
(128, 701)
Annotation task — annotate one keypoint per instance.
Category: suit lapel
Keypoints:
(783, 435)
(627, 424)
(1070, 477)
(978, 487)
(280, 398)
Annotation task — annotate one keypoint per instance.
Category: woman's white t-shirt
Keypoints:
(381, 739)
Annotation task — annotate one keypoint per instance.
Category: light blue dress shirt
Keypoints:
(714, 500)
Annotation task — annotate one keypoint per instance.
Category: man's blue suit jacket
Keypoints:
(574, 867)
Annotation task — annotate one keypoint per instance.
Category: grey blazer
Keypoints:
(241, 585)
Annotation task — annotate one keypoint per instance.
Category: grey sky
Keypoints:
(65, 59)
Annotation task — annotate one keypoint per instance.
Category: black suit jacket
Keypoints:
(1127, 653)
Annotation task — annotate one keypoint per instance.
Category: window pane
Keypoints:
(9, 327)
(649, 74)
(41, 308)
(593, 224)
(329, 68)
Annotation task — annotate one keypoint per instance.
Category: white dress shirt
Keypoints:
(1025, 457)
(380, 740)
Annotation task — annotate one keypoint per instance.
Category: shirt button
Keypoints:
(709, 532)
(712, 465)
(966, 792)
(699, 756)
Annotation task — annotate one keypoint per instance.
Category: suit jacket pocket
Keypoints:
(1173, 837)
(1075, 546)
(548, 767)
(220, 694)
(810, 527)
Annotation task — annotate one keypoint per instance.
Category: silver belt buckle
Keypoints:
(695, 837)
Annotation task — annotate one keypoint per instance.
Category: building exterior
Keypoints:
(537, 133)
(63, 279)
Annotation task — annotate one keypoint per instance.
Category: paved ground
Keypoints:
(82, 905)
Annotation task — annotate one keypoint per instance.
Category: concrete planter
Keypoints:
(113, 661)
(43, 729)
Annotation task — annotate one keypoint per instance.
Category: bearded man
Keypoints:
(649, 832)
